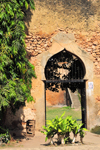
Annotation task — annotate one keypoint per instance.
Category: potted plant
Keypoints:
(49, 132)
(82, 134)
(63, 127)
(75, 129)
(69, 125)
(59, 126)
(53, 127)
(61, 131)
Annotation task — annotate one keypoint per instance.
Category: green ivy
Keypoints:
(4, 135)
(16, 71)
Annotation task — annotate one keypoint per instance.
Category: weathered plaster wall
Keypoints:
(80, 17)
(51, 15)
(17, 122)
(90, 44)
(97, 99)
(59, 42)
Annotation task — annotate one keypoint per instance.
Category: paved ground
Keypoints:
(91, 142)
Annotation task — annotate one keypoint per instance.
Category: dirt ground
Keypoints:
(38, 141)
(91, 142)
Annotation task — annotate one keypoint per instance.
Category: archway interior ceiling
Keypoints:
(62, 67)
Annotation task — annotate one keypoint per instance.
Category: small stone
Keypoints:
(97, 50)
(31, 47)
(43, 49)
(38, 46)
(32, 40)
(98, 67)
(93, 46)
(39, 42)
(88, 49)
(95, 43)
(28, 44)
(42, 44)
(45, 45)
(98, 59)
(28, 37)
(90, 43)
(39, 52)
(96, 63)
(28, 48)
(93, 54)
(26, 41)
(35, 42)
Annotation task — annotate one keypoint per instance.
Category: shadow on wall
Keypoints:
(85, 7)
(27, 19)
(68, 11)
(17, 123)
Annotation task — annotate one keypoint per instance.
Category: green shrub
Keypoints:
(5, 135)
(63, 127)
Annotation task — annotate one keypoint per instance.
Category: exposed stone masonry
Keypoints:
(37, 44)
(90, 42)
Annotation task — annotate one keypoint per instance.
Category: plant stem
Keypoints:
(51, 141)
(74, 139)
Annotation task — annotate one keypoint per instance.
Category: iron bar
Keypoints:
(63, 81)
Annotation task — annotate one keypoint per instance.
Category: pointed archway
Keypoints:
(65, 72)
(64, 66)
(62, 42)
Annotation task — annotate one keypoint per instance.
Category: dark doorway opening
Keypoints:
(65, 71)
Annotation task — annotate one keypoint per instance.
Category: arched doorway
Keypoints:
(62, 41)
(65, 71)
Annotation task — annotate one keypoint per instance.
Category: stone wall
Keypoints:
(90, 44)
(88, 41)
(17, 122)
(55, 98)
(52, 15)
(80, 17)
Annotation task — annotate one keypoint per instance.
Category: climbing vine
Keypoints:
(15, 70)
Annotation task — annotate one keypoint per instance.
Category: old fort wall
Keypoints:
(80, 17)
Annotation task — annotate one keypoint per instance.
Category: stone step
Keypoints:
(74, 99)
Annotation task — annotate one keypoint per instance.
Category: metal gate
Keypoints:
(65, 70)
